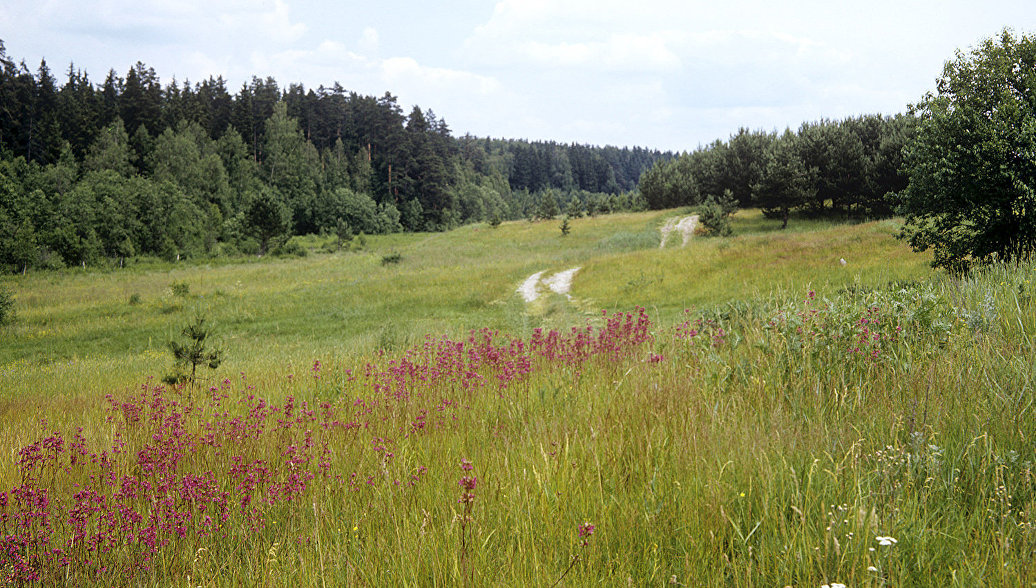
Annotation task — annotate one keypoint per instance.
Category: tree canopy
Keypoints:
(849, 168)
(130, 166)
(972, 191)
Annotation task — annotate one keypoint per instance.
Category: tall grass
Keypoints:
(860, 426)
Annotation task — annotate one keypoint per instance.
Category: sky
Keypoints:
(662, 74)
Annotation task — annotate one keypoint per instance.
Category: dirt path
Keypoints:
(685, 226)
(560, 283)
(528, 287)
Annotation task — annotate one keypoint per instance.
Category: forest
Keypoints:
(95, 173)
(849, 168)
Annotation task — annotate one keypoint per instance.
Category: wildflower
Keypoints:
(833, 585)
(467, 483)
(886, 541)
(585, 531)
(872, 569)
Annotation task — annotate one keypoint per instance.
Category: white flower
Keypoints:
(872, 569)
(886, 541)
(833, 585)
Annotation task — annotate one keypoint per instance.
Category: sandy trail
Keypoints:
(560, 283)
(666, 229)
(528, 287)
(685, 226)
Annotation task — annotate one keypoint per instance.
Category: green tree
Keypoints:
(574, 208)
(45, 139)
(344, 233)
(971, 196)
(192, 351)
(268, 218)
(745, 162)
(785, 184)
(111, 150)
(292, 166)
(23, 247)
(548, 206)
(667, 184)
(715, 213)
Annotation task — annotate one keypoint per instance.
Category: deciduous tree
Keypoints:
(972, 191)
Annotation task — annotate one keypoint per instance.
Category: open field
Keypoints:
(80, 332)
(771, 418)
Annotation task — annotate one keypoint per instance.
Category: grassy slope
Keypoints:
(74, 328)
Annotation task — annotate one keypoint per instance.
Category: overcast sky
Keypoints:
(665, 74)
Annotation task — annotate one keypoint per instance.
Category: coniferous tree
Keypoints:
(785, 184)
(292, 166)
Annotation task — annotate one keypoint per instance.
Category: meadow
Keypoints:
(742, 411)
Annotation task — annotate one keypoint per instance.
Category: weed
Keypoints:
(6, 307)
(180, 289)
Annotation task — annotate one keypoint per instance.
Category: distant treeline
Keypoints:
(129, 166)
(850, 167)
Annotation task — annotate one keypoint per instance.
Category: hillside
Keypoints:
(275, 311)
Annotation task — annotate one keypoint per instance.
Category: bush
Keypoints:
(714, 214)
(180, 289)
(391, 258)
(292, 248)
(6, 307)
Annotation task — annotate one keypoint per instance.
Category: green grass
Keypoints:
(770, 448)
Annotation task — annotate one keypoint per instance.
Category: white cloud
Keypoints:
(275, 24)
(406, 71)
(369, 40)
(664, 73)
(619, 52)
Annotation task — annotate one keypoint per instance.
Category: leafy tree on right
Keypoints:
(972, 191)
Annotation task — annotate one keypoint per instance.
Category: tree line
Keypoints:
(129, 166)
(850, 167)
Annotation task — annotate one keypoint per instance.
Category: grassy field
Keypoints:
(773, 417)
